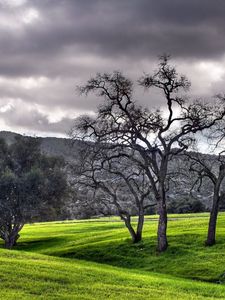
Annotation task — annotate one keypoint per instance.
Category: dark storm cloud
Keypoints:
(66, 41)
(145, 27)
(134, 28)
(138, 27)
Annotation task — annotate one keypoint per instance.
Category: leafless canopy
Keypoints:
(156, 135)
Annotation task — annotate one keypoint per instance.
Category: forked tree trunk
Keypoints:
(162, 224)
(135, 236)
(131, 230)
(211, 237)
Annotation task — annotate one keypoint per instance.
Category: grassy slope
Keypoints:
(108, 242)
(35, 276)
(44, 267)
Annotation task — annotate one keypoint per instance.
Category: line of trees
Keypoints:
(124, 132)
(125, 166)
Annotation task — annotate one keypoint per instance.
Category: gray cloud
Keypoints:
(61, 43)
(35, 121)
(146, 27)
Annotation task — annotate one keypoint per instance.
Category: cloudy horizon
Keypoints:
(49, 47)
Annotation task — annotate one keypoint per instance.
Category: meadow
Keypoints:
(94, 259)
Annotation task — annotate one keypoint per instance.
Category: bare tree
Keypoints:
(152, 134)
(211, 167)
(119, 186)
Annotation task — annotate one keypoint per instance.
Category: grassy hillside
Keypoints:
(71, 260)
(35, 276)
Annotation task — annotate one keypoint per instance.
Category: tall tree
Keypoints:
(153, 134)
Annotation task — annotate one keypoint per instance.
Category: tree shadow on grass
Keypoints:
(39, 244)
(186, 256)
(121, 253)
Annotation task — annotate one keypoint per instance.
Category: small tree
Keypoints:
(119, 187)
(212, 168)
(152, 134)
(31, 184)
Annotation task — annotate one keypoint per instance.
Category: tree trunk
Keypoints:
(140, 227)
(162, 224)
(11, 241)
(135, 236)
(10, 235)
(131, 229)
(211, 237)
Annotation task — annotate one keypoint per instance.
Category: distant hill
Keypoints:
(8, 136)
(180, 185)
(50, 145)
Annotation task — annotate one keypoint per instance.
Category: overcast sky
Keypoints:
(48, 47)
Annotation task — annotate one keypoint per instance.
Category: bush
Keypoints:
(188, 205)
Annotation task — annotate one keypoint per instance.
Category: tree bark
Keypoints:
(162, 224)
(211, 237)
(10, 235)
(140, 227)
(131, 229)
(135, 236)
(10, 242)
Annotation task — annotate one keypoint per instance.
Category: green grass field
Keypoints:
(95, 260)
